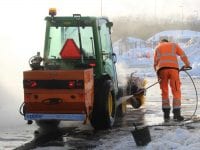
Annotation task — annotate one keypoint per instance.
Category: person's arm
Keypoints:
(181, 53)
(155, 60)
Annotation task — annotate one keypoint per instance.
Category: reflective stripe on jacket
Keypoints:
(166, 56)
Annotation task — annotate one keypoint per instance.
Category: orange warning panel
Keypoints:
(70, 50)
(59, 91)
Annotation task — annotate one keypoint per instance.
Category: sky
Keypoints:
(109, 8)
(22, 25)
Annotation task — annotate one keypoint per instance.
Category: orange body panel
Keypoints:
(72, 101)
(166, 56)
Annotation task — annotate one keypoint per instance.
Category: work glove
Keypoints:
(185, 67)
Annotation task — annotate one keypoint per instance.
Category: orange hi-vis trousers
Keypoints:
(171, 77)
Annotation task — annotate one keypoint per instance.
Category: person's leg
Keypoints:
(176, 92)
(163, 75)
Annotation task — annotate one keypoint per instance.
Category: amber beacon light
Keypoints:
(52, 11)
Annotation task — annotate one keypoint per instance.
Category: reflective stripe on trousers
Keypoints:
(170, 76)
(165, 103)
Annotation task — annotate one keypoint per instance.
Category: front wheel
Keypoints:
(103, 114)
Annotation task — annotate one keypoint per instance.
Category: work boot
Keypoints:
(177, 115)
(166, 114)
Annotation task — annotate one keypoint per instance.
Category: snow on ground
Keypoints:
(163, 138)
(178, 138)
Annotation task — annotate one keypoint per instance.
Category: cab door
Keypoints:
(109, 58)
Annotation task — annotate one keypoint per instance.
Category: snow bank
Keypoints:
(141, 56)
(175, 35)
(192, 49)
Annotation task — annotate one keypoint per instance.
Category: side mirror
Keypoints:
(114, 57)
(109, 25)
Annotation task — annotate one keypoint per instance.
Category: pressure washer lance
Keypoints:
(140, 91)
(143, 90)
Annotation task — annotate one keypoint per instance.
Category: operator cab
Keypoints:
(79, 42)
(69, 42)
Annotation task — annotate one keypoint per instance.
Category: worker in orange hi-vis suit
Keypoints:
(167, 68)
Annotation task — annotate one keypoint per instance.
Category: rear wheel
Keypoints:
(103, 114)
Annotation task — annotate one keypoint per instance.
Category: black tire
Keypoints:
(103, 114)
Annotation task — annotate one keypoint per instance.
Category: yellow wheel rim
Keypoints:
(110, 104)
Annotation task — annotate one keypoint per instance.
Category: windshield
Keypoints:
(59, 35)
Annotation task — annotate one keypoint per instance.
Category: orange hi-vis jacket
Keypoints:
(166, 56)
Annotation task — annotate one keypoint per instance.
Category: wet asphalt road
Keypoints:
(78, 136)
(83, 137)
